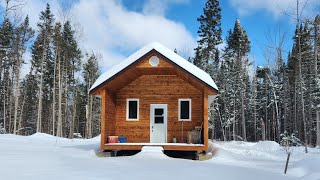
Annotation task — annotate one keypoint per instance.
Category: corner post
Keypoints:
(205, 120)
(103, 118)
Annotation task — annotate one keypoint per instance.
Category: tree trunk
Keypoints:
(74, 111)
(73, 118)
(59, 126)
(16, 96)
(4, 108)
(88, 115)
(255, 109)
(263, 130)
(222, 128)
(66, 106)
(318, 129)
(54, 92)
(21, 111)
(266, 113)
(10, 104)
(244, 133)
(301, 83)
(39, 119)
(316, 76)
(234, 120)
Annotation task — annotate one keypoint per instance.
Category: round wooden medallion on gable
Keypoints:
(154, 61)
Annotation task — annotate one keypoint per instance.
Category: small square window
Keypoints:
(184, 109)
(132, 109)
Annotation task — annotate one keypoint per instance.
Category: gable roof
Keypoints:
(169, 54)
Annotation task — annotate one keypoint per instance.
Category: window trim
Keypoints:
(179, 109)
(127, 109)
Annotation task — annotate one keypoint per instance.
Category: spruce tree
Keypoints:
(42, 61)
(210, 37)
(72, 60)
(236, 58)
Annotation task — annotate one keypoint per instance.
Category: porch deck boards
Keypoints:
(166, 146)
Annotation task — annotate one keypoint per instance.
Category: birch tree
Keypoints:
(23, 34)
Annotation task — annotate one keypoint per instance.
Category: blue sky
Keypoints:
(116, 28)
(259, 23)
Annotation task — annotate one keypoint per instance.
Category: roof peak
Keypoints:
(168, 53)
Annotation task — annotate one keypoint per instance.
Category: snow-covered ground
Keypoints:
(42, 156)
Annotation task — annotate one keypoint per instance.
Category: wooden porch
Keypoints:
(166, 146)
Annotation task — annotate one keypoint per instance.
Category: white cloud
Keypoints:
(111, 29)
(158, 7)
(275, 7)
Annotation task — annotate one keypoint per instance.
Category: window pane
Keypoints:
(158, 120)
(184, 109)
(158, 111)
(133, 109)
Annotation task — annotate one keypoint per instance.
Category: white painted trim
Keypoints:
(165, 107)
(190, 109)
(127, 109)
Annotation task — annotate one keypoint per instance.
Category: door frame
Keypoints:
(165, 107)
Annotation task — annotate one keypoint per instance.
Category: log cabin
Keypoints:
(154, 98)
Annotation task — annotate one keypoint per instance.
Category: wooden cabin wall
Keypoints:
(155, 89)
(110, 109)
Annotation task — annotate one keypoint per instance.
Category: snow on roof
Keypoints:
(178, 60)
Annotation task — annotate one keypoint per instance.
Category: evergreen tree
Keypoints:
(6, 65)
(236, 91)
(210, 37)
(207, 53)
(72, 60)
(90, 74)
(42, 61)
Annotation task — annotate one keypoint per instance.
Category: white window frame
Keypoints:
(127, 109)
(179, 108)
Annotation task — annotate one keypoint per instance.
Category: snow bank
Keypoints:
(42, 135)
(269, 146)
(43, 156)
(308, 168)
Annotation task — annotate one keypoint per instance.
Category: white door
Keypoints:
(158, 123)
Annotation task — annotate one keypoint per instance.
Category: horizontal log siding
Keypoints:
(157, 89)
(110, 116)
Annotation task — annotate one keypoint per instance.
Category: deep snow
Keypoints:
(43, 156)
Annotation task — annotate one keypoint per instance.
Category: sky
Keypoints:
(116, 28)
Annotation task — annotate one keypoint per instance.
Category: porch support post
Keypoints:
(103, 118)
(205, 119)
